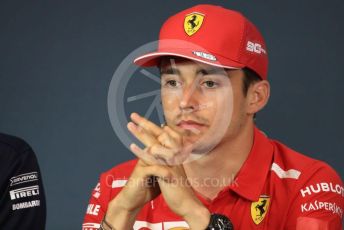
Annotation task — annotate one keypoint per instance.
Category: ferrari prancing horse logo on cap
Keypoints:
(193, 22)
(260, 208)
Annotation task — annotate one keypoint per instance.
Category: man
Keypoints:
(22, 200)
(210, 167)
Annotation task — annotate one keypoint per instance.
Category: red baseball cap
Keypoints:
(212, 35)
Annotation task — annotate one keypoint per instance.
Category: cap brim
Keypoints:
(153, 58)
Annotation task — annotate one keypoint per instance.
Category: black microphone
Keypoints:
(219, 222)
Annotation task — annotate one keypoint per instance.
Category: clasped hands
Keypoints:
(159, 170)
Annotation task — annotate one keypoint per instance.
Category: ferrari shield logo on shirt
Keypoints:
(260, 208)
(193, 22)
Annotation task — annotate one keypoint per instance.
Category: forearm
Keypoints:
(119, 217)
(119, 220)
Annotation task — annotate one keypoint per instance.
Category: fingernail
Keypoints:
(131, 125)
(134, 116)
(133, 146)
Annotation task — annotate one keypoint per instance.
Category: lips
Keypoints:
(189, 124)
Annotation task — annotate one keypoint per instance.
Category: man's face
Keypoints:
(202, 102)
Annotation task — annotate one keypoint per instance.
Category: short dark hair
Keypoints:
(250, 77)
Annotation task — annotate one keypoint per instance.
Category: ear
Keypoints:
(257, 96)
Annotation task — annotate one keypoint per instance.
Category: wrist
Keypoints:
(104, 225)
(199, 218)
(118, 216)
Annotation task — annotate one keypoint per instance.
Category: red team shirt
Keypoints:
(276, 188)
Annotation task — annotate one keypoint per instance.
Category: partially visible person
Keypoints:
(22, 199)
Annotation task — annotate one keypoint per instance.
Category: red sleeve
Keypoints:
(94, 212)
(319, 201)
(97, 206)
(109, 185)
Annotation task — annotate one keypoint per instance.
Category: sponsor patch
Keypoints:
(93, 209)
(204, 55)
(322, 187)
(24, 192)
(255, 48)
(28, 204)
(319, 205)
(193, 22)
(24, 178)
(96, 191)
(260, 208)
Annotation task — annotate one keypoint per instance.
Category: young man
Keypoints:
(209, 167)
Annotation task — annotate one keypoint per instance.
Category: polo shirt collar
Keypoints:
(252, 175)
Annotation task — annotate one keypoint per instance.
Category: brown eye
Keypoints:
(172, 83)
(210, 84)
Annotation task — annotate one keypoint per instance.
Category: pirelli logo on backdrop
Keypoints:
(24, 192)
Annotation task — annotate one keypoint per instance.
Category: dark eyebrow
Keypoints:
(169, 70)
(202, 71)
(212, 70)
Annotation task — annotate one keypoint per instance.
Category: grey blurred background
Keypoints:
(57, 59)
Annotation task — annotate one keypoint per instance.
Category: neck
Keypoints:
(222, 163)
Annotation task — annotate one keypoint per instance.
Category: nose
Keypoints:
(189, 98)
